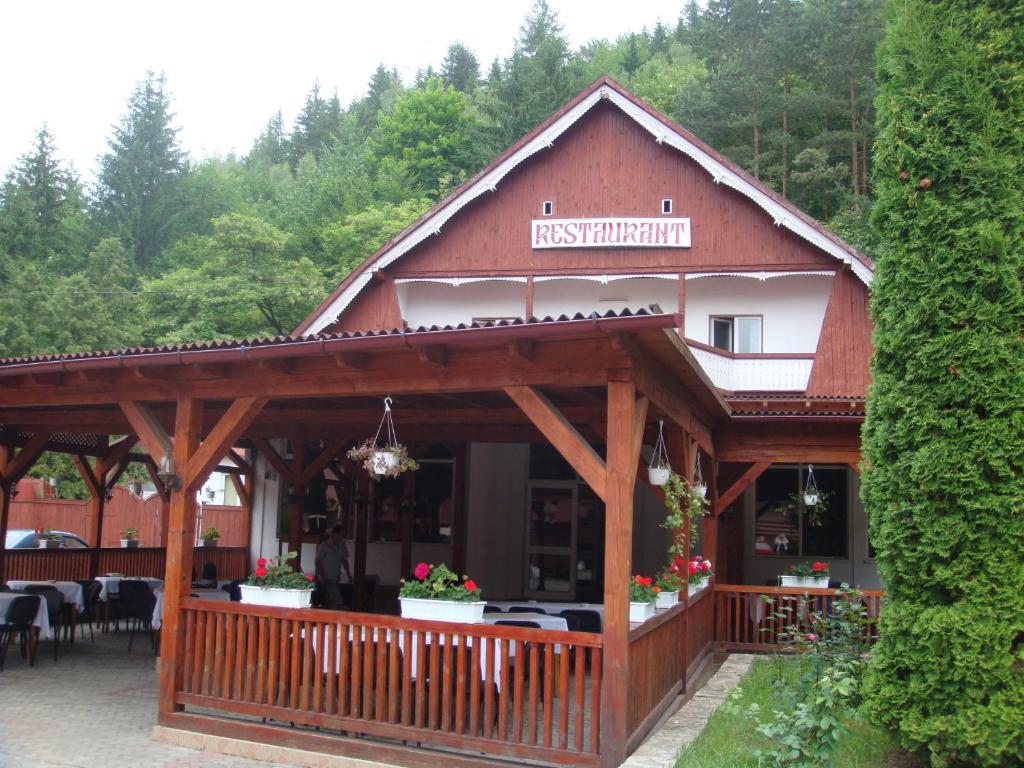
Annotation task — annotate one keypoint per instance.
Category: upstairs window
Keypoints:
(738, 333)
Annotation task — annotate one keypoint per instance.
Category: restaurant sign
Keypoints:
(611, 233)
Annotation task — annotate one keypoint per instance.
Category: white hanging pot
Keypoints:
(702, 489)
(382, 461)
(658, 475)
(810, 499)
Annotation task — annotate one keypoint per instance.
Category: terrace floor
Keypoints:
(93, 708)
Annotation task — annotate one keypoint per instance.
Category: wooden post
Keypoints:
(295, 501)
(181, 531)
(5, 508)
(621, 476)
(361, 501)
(710, 537)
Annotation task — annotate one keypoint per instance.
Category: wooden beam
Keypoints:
(88, 476)
(744, 481)
(521, 350)
(180, 540)
(639, 422)
(315, 467)
(434, 355)
(25, 458)
(115, 459)
(239, 462)
(564, 437)
(274, 459)
(149, 430)
(241, 490)
(621, 473)
(354, 361)
(221, 439)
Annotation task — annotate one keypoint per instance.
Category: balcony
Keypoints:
(741, 372)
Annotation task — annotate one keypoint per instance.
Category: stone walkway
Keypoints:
(662, 748)
(93, 708)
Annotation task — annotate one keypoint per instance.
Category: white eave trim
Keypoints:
(761, 275)
(457, 281)
(545, 140)
(605, 279)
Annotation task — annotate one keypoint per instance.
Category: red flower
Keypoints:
(421, 571)
(261, 562)
(692, 567)
(656, 590)
(705, 566)
(819, 567)
(470, 585)
(309, 577)
(646, 581)
(261, 571)
(673, 568)
(638, 579)
(680, 560)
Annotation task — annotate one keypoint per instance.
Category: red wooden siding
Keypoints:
(841, 366)
(605, 165)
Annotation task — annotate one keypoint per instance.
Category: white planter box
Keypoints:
(667, 599)
(639, 612)
(286, 598)
(658, 475)
(455, 611)
(693, 589)
(813, 582)
(208, 542)
(129, 543)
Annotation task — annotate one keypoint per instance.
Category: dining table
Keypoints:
(111, 584)
(204, 593)
(549, 608)
(72, 590)
(42, 619)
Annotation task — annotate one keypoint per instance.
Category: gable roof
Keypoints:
(664, 130)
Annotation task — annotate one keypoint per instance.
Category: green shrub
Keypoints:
(944, 434)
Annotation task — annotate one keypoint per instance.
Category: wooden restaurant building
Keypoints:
(606, 274)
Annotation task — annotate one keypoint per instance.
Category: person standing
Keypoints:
(331, 559)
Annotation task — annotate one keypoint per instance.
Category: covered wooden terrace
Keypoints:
(501, 692)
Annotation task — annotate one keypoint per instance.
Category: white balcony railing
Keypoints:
(761, 373)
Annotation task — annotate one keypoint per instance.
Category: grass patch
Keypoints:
(729, 740)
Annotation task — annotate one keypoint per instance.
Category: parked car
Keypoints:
(25, 538)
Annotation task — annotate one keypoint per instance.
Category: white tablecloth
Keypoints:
(545, 620)
(598, 608)
(42, 620)
(205, 594)
(72, 590)
(111, 584)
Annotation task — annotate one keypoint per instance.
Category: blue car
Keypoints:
(24, 538)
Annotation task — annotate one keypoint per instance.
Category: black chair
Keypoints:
(525, 609)
(492, 609)
(20, 614)
(91, 597)
(572, 621)
(137, 603)
(209, 576)
(589, 620)
(54, 609)
(514, 623)
(234, 590)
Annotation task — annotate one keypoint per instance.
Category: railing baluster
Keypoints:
(394, 690)
(563, 695)
(579, 700)
(460, 685)
(407, 701)
(421, 679)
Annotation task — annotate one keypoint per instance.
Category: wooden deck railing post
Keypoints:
(622, 452)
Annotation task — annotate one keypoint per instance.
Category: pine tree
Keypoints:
(137, 195)
(271, 146)
(460, 68)
(316, 127)
(944, 435)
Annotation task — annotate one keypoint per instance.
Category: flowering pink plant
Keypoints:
(670, 579)
(438, 582)
(697, 570)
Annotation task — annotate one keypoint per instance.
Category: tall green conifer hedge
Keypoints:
(944, 435)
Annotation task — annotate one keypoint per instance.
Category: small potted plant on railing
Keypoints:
(436, 593)
(209, 537)
(276, 582)
(670, 582)
(129, 538)
(813, 575)
(642, 596)
(698, 572)
(48, 539)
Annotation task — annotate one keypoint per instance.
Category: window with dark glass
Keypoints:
(782, 525)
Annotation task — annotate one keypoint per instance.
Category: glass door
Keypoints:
(551, 540)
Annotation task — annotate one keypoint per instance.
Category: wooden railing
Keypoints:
(700, 633)
(72, 564)
(505, 691)
(655, 670)
(755, 618)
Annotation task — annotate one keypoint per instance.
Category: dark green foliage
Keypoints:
(944, 437)
(138, 195)
(460, 69)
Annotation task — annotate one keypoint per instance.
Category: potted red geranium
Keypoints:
(670, 582)
(436, 593)
(814, 575)
(698, 572)
(276, 582)
(643, 594)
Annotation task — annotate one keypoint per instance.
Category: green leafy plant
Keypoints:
(670, 578)
(686, 506)
(439, 582)
(278, 572)
(697, 570)
(643, 590)
(130, 534)
(210, 534)
(366, 454)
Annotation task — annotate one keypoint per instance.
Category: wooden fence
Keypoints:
(656, 669)
(505, 691)
(72, 564)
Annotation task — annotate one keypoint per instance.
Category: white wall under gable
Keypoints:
(567, 296)
(440, 303)
(793, 307)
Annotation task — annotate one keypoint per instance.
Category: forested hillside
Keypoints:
(166, 247)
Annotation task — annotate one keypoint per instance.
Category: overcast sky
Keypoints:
(231, 64)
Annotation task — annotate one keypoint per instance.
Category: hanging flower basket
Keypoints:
(387, 459)
(659, 470)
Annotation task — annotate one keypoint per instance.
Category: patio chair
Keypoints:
(525, 609)
(234, 590)
(54, 609)
(492, 609)
(91, 597)
(21, 613)
(209, 576)
(137, 604)
(588, 620)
